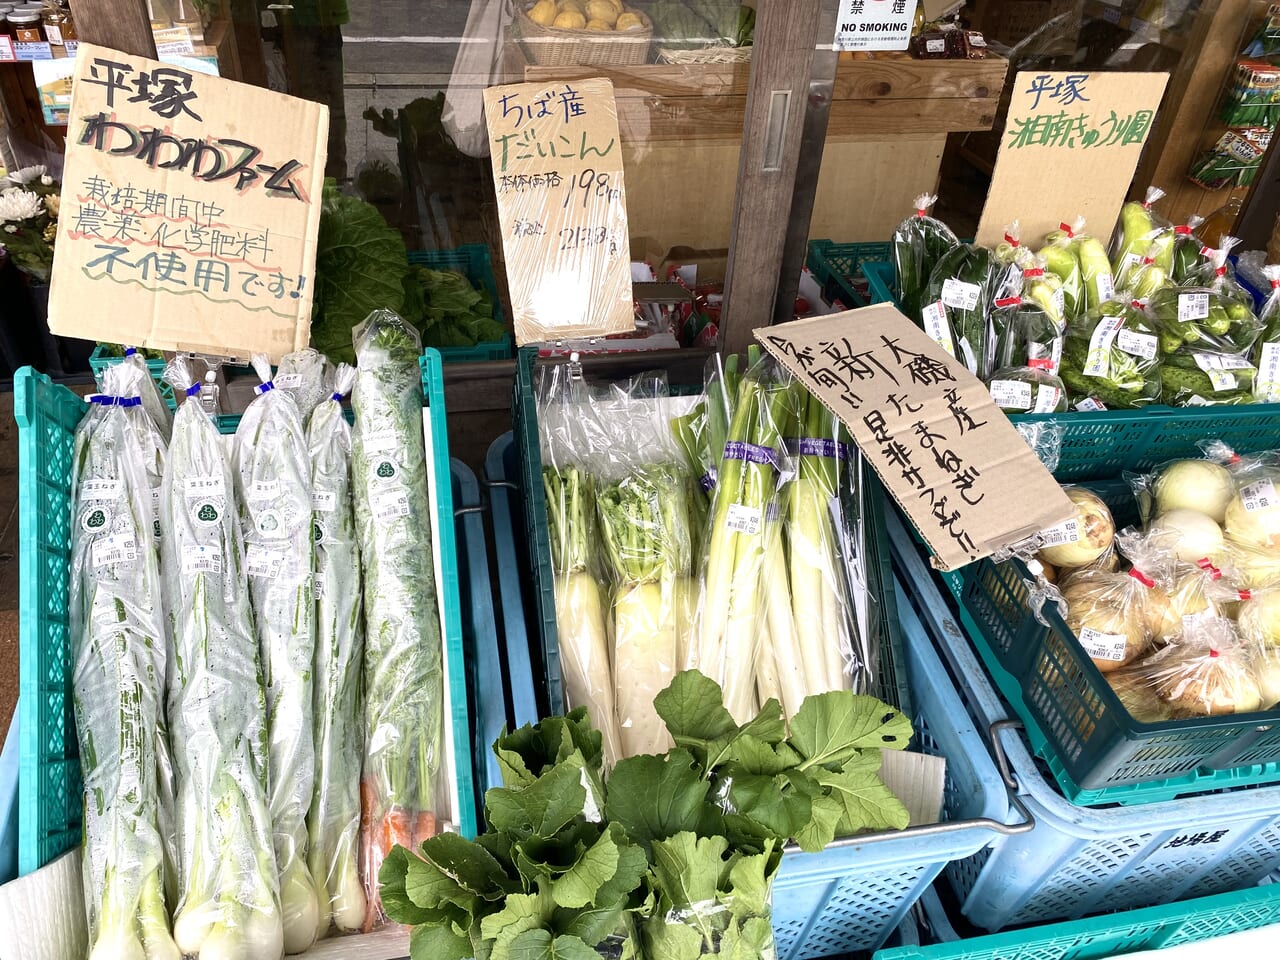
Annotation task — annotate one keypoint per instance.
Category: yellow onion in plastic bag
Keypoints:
(1102, 606)
(1208, 673)
(1095, 529)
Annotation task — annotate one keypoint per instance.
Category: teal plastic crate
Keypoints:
(473, 261)
(9, 803)
(49, 786)
(1113, 934)
(880, 281)
(844, 269)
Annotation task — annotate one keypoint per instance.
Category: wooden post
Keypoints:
(120, 24)
(782, 59)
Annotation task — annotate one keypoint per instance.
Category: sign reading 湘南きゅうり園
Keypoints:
(874, 24)
(189, 210)
(557, 167)
(1070, 145)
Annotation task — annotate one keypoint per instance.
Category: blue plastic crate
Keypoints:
(1079, 861)
(473, 261)
(479, 632)
(49, 809)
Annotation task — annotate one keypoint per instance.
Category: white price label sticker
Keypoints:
(260, 561)
(1090, 405)
(391, 505)
(935, 46)
(1193, 306)
(1066, 532)
(1011, 394)
(1059, 297)
(289, 381)
(101, 489)
(204, 486)
(1259, 495)
(743, 519)
(1269, 373)
(1137, 344)
(1130, 260)
(324, 501)
(117, 548)
(1098, 363)
(1103, 646)
(937, 327)
(263, 490)
(1106, 286)
(1219, 368)
(202, 560)
(960, 295)
(380, 442)
(1047, 398)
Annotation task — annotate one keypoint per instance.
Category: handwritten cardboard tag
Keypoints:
(928, 427)
(189, 210)
(557, 168)
(1070, 147)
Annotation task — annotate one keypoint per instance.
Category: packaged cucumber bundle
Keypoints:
(1080, 261)
(1141, 233)
(1110, 360)
(959, 299)
(918, 243)
(1026, 335)
(1187, 247)
(1027, 390)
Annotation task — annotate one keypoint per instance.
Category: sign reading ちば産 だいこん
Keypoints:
(557, 169)
(943, 449)
(189, 210)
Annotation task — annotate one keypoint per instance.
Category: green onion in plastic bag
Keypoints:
(918, 243)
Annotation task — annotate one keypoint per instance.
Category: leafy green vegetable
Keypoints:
(456, 314)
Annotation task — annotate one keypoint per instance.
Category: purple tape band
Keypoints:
(750, 452)
(822, 447)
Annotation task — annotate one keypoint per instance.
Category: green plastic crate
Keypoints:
(472, 260)
(50, 790)
(844, 268)
(1114, 934)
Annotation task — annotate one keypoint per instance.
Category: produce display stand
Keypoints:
(1080, 861)
(50, 793)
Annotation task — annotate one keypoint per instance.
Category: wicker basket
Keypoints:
(712, 54)
(556, 47)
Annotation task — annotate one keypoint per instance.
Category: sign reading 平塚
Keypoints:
(189, 210)
(1070, 145)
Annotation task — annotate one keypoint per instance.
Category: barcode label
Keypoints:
(1137, 344)
(204, 486)
(101, 490)
(1259, 495)
(1098, 363)
(1066, 532)
(1218, 368)
(202, 560)
(117, 548)
(391, 505)
(937, 327)
(1047, 398)
(1103, 646)
(1193, 306)
(263, 490)
(1011, 394)
(289, 381)
(960, 295)
(743, 519)
(260, 561)
(324, 501)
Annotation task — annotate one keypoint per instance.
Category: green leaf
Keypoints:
(580, 884)
(692, 706)
(548, 857)
(774, 802)
(821, 828)
(438, 942)
(749, 879)
(753, 755)
(750, 940)
(769, 724)
(392, 883)
(499, 847)
(687, 868)
(470, 864)
(865, 802)
(632, 865)
(654, 797)
(539, 945)
(521, 912)
(430, 887)
(542, 808)
(675, 940)
(591, 925)
(831, 727)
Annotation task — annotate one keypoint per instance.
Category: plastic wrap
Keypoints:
(1141, 233)
(117, 631)
(1044, 288)
(333, 825)
(1186, 249)
(1145, 277)
(958, 302)
(1110, 359)
(273, 490)
(918, 243)
(405, 795)
(149, 393)
(304, 375)
(1080, 540)
(1215, 269)
(229, 902)
(1209, 672)
(1010, 249)
(1027, 390)
(1266, 352)
(1061, 260)
(1045, 440)
(1027, 335)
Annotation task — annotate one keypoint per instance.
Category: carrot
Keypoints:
(397, 830)
(425, 828)
(368, 798)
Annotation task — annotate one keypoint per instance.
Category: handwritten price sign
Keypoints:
(189, 210)
(557, 167)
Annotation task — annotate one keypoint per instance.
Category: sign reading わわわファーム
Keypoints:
(189, 210)
(557, 167)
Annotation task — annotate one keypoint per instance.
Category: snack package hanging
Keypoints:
(918, 243)
(405, 794)
(572, 442)
(333, 825)
(1209, 672)
(1186, 249)
(304, 375)
(1110, 359)
(1026, 335)
(1266, 353)
(117, 635)
(959, 298)
(229, 903)
(152, 402)
(730, 608)
(1027, 390)
(1141, 232)
(273, 491)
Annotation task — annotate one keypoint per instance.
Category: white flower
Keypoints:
(27, 174)
(19, 204)
(46, 180)
(10, 228)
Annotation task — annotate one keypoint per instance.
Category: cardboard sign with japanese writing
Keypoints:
(1070, 145)
(189, 210)
(557, 168)
(944, 450)
(874, 24)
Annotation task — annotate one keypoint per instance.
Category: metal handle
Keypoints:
(462, 511)
(506, 484)
(1002, 759)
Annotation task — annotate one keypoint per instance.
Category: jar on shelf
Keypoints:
(60, 31)
(29, 42)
